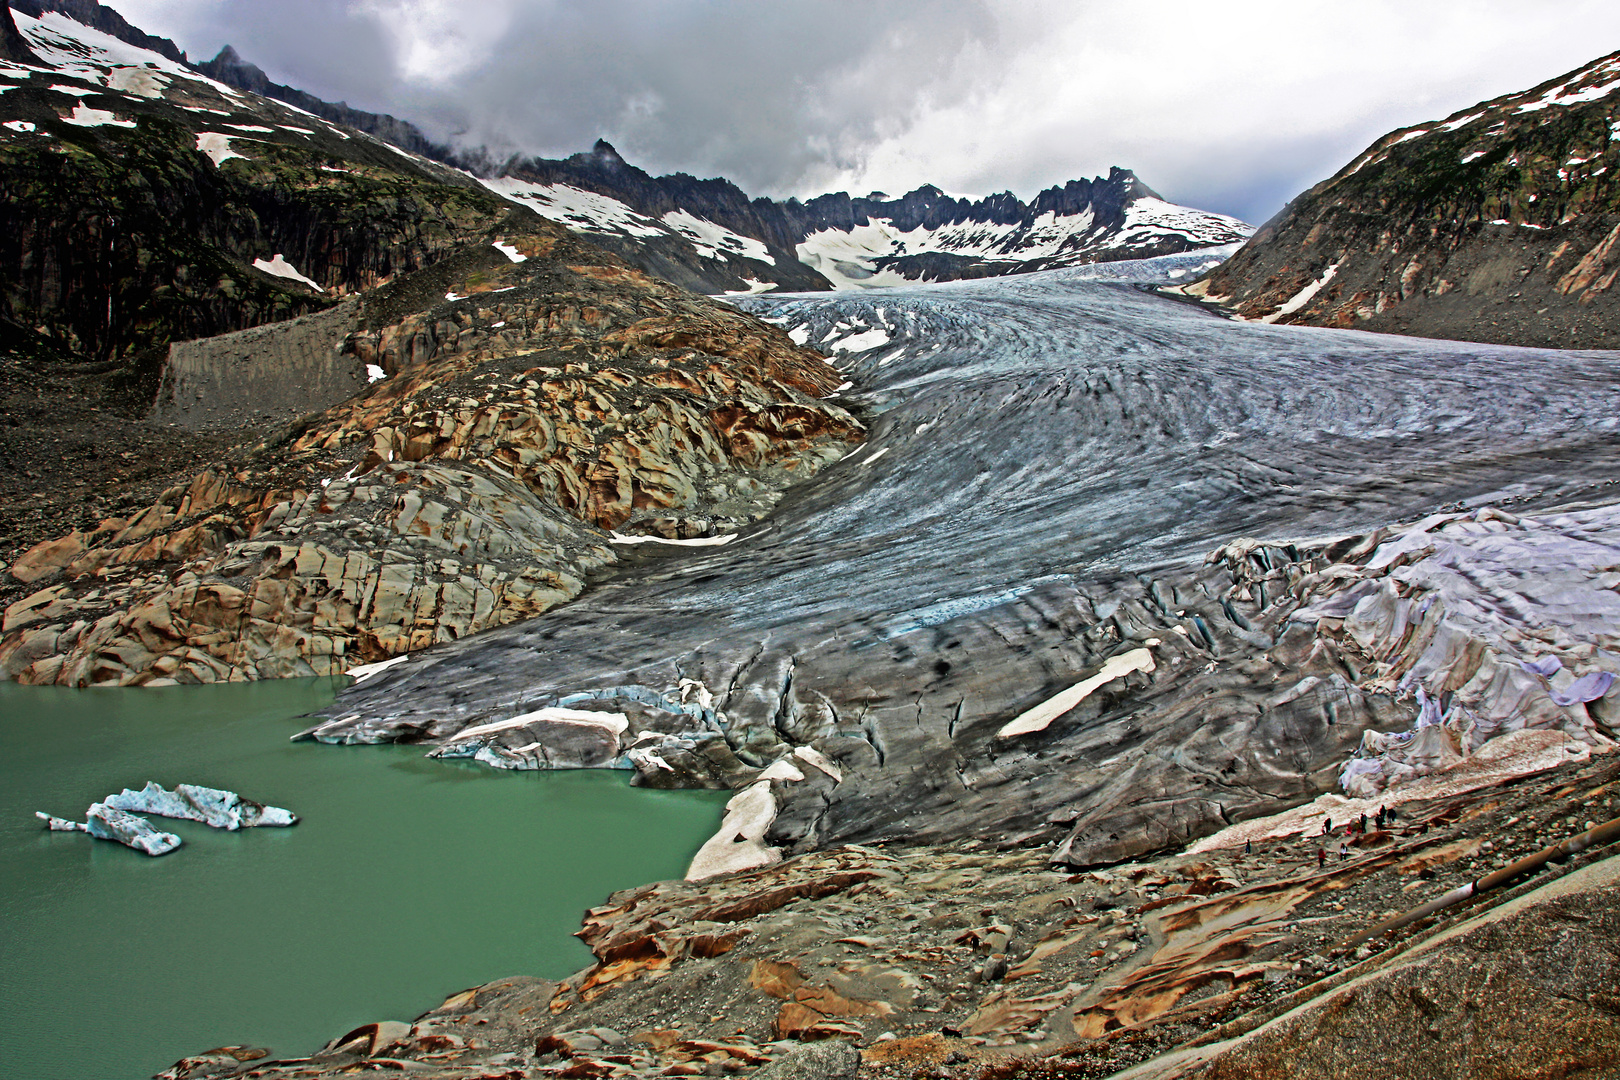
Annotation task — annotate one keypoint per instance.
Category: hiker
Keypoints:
(1248, 848)
(1327, 826)
(1321, 857)
(1344, 852)
(1363, 821)
(1382, 820)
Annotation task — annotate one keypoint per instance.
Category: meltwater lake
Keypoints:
(406, 880)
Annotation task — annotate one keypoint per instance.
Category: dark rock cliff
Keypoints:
(1500, 224)
(13, 46)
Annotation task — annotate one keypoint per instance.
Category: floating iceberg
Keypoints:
(112, 818)
(211, 806)
(109, 823)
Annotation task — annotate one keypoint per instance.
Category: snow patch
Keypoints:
(1304, 296)
(510, 252)
(1042, 715)
(18, 125)
(281, 268)
(84, 116)
(755, 287)
(1563, 96)
(861, 342)
(79, 51)
(137, 81)
(1475, 156)
(740, 842)
(375, 373)
(217, 146)
(716, 241)
(580, 210)
(698, 541)
(365, 671)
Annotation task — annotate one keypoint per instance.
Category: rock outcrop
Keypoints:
(538, 395)
(1499, 224)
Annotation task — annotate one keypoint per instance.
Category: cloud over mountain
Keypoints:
(1232, 107)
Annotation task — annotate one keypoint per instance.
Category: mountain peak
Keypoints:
(604, 154)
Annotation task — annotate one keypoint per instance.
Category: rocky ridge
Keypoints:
(535, 395)
(229, 67)
(709, 235)
(1499, 224)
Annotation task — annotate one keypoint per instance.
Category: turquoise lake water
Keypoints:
(406, 881)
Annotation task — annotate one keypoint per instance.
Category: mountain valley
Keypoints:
(1037, 577)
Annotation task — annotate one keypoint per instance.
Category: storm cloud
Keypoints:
(1233, 107)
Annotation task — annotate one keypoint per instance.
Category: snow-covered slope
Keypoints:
(880, 253)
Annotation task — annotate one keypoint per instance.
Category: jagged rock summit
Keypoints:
(1499, 224)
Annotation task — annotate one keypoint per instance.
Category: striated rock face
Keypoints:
(527, 408)
(1522, 991)
(1499, 224)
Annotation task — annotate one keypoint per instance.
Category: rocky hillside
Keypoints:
(531, 395)
(709, 235)
(518, 393)
(973, 961)
(143, 203)
(1500, 223)
(229, 67)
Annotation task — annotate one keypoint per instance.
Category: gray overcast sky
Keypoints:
(1232, 106)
